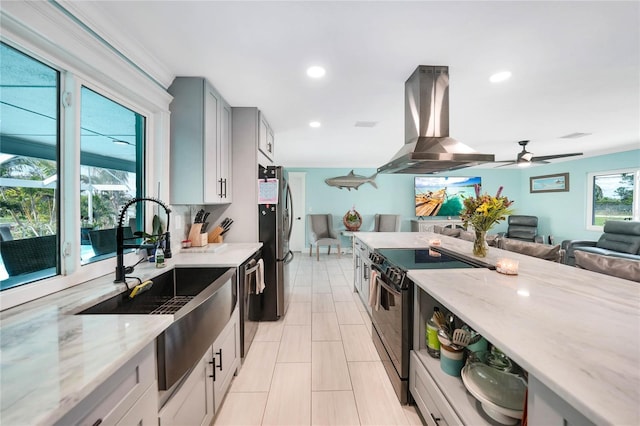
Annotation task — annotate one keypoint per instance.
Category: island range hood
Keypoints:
(428, 147)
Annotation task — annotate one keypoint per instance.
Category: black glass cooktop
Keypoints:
(436, 258)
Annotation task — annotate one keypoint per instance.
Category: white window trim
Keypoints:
(41, 31)
(636, 195)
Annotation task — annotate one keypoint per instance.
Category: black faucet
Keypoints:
(121, 270)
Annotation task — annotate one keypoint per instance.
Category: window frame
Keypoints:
(81, 58)
(636, 195)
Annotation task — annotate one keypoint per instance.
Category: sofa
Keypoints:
(620, 239)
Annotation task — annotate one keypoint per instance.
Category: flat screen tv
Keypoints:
(442, 195)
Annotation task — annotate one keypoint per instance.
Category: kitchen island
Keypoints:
(52, 359)
(576, 332)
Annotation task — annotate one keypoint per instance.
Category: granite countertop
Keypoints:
(576, 331)
(52, 359)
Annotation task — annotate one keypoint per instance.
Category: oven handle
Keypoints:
(386, 286)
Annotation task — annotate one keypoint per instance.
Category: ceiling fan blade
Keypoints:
(508, 163)
(551, 157)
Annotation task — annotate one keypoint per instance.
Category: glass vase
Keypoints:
(480, 244)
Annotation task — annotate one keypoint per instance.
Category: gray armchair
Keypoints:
(523, 228)
(321, 233)
(386, 223)
(621, 238)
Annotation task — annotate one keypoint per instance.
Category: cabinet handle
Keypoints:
(97, 422)
(269, 147)
(220, 193)
(435, 419)
(219, 353)
(213, 361)
(225, 188)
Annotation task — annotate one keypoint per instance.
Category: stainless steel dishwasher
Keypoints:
(247, 278)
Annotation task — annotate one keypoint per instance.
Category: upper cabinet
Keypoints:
(265, 138)
(200, 155)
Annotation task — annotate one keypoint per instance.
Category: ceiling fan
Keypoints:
(526, 158)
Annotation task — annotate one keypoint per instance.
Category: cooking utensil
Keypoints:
(204, 218)
(205, 225)
(226, 225)
(439, 319)
(199, 216)
(461, 337)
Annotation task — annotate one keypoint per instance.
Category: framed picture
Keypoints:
(549, 183)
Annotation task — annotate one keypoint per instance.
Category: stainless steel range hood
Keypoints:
(428, 147)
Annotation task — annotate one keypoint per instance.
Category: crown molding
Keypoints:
(44, 31)
(93, 15)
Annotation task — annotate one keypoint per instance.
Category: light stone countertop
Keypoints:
(51, 359)
(576, 331)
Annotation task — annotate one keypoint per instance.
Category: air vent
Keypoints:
(365, 123)
(574, 135)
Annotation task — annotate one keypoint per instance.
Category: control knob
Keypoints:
(376, 258)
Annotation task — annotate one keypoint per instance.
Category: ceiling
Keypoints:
(575, 69)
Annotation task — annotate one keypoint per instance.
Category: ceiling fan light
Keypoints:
(524, 163)
(527, 156)
(500, 76)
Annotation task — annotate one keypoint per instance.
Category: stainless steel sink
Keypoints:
(201, 301)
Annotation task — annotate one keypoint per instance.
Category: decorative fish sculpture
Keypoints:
(351, 181)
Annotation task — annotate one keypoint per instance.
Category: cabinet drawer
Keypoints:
(144, 412)
(435, 409)
(113, 398)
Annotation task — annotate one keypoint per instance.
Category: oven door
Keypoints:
(392, 323)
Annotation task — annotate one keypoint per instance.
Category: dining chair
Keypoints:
(386, 223)
(321, 233)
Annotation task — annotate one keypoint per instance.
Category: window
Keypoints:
(613, 196)
(29, 192)
(32, 198)
(111, 173)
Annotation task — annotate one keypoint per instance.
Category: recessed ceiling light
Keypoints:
(316, 72)
(500, 76)
(314, 124)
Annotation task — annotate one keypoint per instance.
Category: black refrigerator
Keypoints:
(275, 222)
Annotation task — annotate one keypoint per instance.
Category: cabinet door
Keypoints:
(226, 356)
(270, 142)
(224, 152)
(192, 404)
(212, 182)
(144, 412)
(263, 137)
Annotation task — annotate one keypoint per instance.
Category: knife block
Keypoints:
(198, 239)
(214, 236)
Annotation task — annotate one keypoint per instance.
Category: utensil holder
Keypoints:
(197, 238)
(451, 360)
(214, 236)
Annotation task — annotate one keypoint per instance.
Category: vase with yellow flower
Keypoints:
(482, 212)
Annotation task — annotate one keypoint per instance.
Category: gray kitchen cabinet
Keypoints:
(265, 138)
(226, 355)
(200, 394)
(247, 124)
(362, 271)
(129, 396)
(201, 134)
(192, 403)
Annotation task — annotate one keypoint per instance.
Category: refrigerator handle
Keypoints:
(290, 197)
(288, 258)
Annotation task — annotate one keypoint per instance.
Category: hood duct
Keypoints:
(428, 147)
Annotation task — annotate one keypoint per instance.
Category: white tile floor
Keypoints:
(318, 365)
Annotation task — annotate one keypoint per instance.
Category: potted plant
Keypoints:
(150, 241)
(352, 220)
